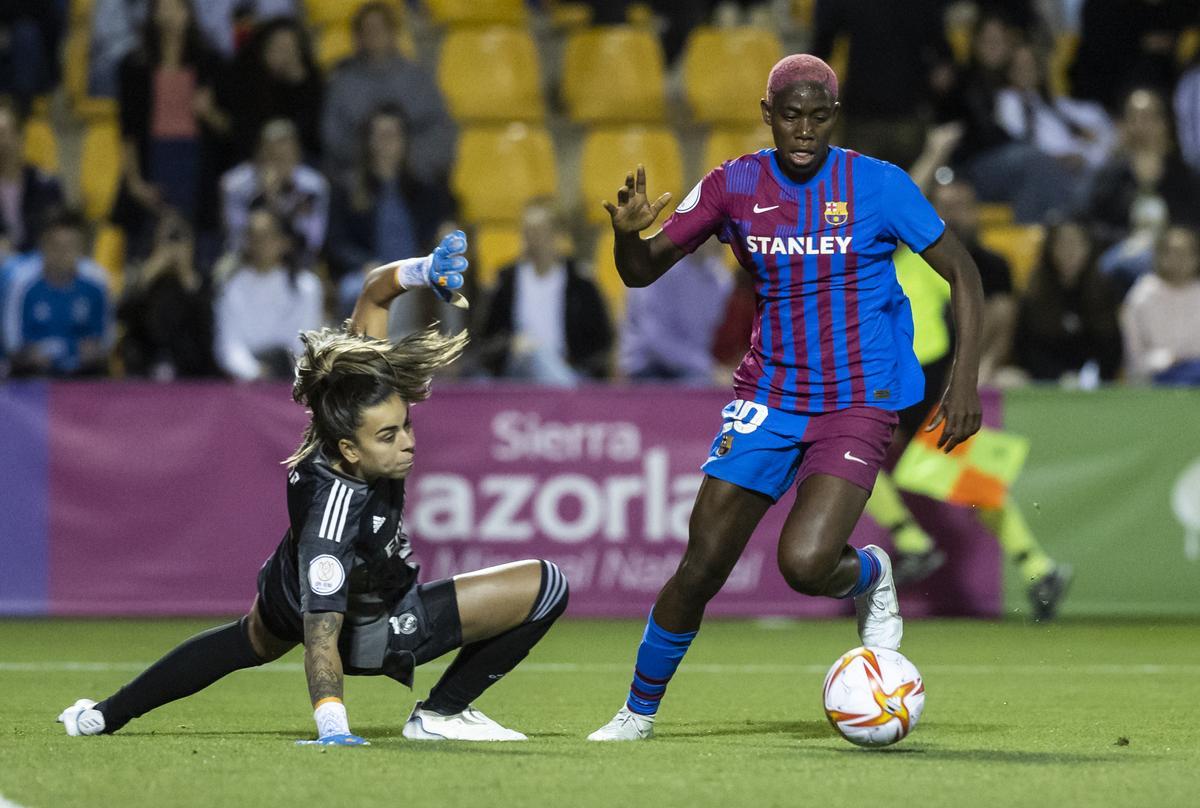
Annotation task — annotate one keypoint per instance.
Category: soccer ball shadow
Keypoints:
(799, 730)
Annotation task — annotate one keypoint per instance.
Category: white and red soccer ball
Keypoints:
(873, 696)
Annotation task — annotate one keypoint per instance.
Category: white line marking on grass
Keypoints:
(8, 803)
(699, 667)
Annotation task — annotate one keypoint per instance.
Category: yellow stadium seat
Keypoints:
(613, 74)
(80, 12)
(41, 145)
(499, 169)
(1020, 244)
(108, 250)
(476, 12)
(491, 74)
(496, 246)
(726, 144)
(567, 15)
(100, 170)
(323, 13)
(610, 154)
(993, 214)
(606, 278)
(731, 93)
(1188, 45)
(1060, 61)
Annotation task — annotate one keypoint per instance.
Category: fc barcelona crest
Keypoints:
(725, 445)
(836, 213)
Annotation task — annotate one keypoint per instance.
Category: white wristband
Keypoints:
(331, 719)
(413, 272)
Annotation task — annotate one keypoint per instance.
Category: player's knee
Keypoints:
(266, 646)
(806, 570)
(553, 594)
(701, 578)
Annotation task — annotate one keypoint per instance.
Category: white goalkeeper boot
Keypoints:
(469, 725)
(879, 621)
(626, 725)
(81, 719)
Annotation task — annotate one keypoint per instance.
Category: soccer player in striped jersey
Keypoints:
(342, 581)
(831, 363)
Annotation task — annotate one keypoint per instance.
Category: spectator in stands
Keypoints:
(1187, 114)
(167, 310)
(263, 303)
(171, 121)
(956, 204)
(670, 326)
(115, 26)
(276, 179)
(1145, 166)
(1128, 43)
(379, 74)
(898, 54)
(277, 78)
(1162, 338)
(546, 323)
(1077, 133)
(26, 194)
(380, 212)
(1133, 256)
(29, 35)
(55, 311)
(1067, 322)
(1001, 168)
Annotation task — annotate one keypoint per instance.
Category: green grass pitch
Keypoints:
(1077, 713)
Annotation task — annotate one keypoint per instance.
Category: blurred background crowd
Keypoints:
(186, 185)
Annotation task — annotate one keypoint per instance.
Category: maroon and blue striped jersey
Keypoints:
(834, 328)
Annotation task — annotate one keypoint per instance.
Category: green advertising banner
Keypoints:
(1112, 486)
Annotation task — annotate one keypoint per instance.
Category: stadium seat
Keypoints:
(491, 75)
(726, 144)
(499, 169)
(568, 15)
(330, 13)
(606, 278)
(476, 12)
(613, 74)
(730, 94)
(108, 250)
(1020, 244)
(100, 168)
(41, 145)
(609, 154)
(993, 214)
(80, 12)
(495, 247)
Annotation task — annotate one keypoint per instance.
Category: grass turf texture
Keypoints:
(1016, 714)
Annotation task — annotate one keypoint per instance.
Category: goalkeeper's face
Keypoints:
(383, 443)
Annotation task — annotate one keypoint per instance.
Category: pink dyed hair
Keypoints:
(801, 67)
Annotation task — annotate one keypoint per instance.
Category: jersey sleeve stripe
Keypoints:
(343, 509)
(333, 491)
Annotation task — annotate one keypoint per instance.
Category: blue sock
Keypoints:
(869, 571)
(657, 658)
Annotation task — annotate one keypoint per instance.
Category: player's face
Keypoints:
(384, 441)
(801, 118)
(1179, 256)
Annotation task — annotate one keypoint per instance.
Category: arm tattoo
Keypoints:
(322, 662)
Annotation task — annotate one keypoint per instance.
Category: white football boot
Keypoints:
(81, 719)
(626, 725)
(469, 725)
(879, 621)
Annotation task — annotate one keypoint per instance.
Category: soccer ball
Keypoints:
(873, 696)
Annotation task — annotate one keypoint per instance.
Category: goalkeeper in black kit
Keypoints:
(342, 581)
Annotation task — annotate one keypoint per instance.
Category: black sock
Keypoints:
(480, 665)
(189, 668)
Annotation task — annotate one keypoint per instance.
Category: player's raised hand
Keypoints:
(634, 212)
(442, 270)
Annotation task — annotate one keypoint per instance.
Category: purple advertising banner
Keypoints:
(166, 499)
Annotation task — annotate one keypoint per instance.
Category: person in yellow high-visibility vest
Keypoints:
(917, 555)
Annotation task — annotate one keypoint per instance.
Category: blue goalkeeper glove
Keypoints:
(442, 270)
(344, 739)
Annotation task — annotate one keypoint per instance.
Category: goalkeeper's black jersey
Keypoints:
(346, 550)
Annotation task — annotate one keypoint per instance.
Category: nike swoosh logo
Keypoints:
(757, 209)
(849, 456)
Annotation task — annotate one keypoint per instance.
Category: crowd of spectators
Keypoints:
(256, 189)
